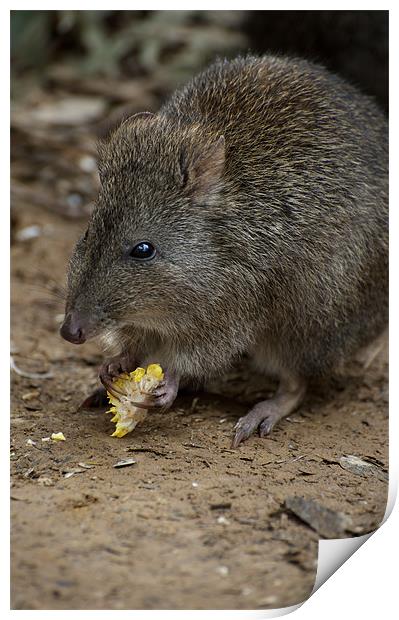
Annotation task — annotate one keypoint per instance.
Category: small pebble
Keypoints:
(46, 482)
(222, 520)
(223, 570)
(88, 163)
(74, 200)
(194, 484)
(269, 600)
(31, 395)
(30, 232)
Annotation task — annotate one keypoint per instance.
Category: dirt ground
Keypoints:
(192, 524)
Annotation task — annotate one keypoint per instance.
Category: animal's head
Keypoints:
(149, 256)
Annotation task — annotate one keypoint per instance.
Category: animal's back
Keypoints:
(276, 106)
(306, 186)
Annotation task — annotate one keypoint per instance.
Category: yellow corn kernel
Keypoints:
(155, 371)
(138, 374)
(135, 386)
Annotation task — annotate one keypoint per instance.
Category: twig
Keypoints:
(27, 374)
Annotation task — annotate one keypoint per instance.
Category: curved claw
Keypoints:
(111, 370)
(155, 401)
(163, 401)
(247, 425)
(140, 405)
(106, 380)
(243, 431)
(266, 425)
(161, 385)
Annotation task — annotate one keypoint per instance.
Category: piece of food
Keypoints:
(135, 386)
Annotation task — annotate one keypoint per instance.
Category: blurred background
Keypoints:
(74, 72)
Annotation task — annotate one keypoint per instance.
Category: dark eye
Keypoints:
(143, 251)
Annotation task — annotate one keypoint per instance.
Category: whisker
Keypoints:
(49, 284)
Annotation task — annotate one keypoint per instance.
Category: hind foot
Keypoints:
(267, 413)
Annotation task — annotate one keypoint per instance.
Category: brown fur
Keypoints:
(272, 240)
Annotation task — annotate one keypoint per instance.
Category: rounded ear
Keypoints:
(138, 115)
(202, 171)
(106, 128)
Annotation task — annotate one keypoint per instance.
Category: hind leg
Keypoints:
(367, 354)
(267, 413)
(97, 400)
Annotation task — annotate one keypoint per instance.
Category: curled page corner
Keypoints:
(333, 553)
(392, 495)
(278, 612)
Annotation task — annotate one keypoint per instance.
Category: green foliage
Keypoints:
(169, 45)
(30, 38)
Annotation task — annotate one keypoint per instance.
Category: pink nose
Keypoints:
(73, 329)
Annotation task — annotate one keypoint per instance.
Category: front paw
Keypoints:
(165, 394)
(113, 368)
